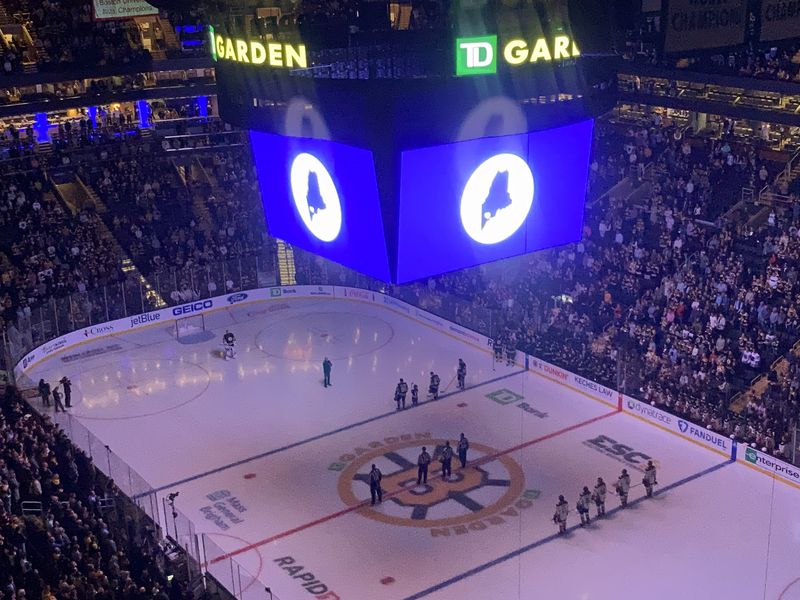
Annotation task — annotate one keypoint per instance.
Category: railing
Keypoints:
(55, 316)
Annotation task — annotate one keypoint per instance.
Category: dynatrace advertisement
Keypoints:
(477, 201)
(323, 197)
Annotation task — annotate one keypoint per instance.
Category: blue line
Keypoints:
(556, 536)
(319, 437)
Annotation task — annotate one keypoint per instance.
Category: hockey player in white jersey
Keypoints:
(584, 500)
(560, 516)
(599, 496)
(228, 345)
(623, 487)
(649, 480)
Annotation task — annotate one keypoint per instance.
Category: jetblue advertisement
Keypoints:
(323, 197)
(477, 201)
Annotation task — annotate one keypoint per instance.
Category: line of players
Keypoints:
(598, 496)
(505, 349)
(445, 457)
(401, 389)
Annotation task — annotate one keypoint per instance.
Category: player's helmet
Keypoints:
(561, 498)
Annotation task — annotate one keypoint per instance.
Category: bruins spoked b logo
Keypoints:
(488, 485)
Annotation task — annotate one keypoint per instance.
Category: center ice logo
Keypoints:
(488, 491)
(497, 199)
(315, 197)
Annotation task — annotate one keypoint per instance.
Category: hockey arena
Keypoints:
(399, 300)
(278, 492)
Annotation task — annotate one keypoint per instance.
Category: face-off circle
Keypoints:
(469, 494)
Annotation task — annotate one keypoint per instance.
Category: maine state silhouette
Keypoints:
(497, 198)
(314, 197)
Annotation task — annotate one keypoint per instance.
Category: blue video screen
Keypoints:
(477, 201)
(323, 197)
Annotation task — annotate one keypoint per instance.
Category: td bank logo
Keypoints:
(315, 197)
(476, 55)
(497, 199)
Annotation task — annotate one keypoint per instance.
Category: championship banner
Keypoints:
(698, 25)
(106, 10)
(780, 19)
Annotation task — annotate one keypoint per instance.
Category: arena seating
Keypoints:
(65, 530)
(692, 304)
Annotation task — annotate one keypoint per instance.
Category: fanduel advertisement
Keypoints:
(483, 200)
(322, 196)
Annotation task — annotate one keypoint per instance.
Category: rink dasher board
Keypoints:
(164, 316)
(683, 428)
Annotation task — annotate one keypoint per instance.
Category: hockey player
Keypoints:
(433, 388)
(414, 394)
(497, 347)
(375, 490)
(461, 373)
(423, 461)
(623, 487)
(400, 394)
(649, 478)
(463, 446)
(583, 506)
(599, 496)
(511, 355)
(560, 516)
(447, 460)
(229, 345)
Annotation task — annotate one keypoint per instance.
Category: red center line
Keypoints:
(365, 503)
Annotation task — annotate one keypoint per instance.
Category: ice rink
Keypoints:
(272, 467)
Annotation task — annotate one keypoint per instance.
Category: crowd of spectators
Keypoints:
(678, 311)
(79, 537)
(50, 252)
(12, 56)
(779, 62)
(65, 34)
(695, 305)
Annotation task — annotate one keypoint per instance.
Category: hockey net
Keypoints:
(187, 327)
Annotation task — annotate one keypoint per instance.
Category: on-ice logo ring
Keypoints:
(471, 494)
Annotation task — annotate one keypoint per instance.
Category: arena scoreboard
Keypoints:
(413, 153)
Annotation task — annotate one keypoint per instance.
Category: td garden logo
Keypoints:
(479, 55)
(488, 492)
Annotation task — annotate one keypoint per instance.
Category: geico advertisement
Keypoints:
(482, 200)
(322, 196)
